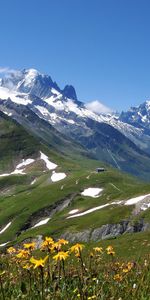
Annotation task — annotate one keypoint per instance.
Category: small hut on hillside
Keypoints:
(98, 170)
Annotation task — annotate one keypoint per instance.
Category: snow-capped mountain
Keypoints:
(32, 82)
(28, 93)
(47, 99)
(32, 87)
(138, 116)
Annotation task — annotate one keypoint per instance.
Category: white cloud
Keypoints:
(10, 75)
(3, 70)
(6, 71)
(98, 107)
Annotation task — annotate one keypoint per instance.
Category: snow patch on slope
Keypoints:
(73, 211)
(70, 106)
(6, 113)
(25, 162)
(19, 168)
(44, 111)
(135, 200)
(4, 244)
(6, 94)
(5, 227)
(54, 91)
(131, 201)
(34, 181)
(52, 118)
(42, 222)
(50, 165)
(57, 176)
(92, 192)
(30, 77)
(88, 211)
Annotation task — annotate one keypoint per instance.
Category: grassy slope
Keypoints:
(15, 143)
(19, 207)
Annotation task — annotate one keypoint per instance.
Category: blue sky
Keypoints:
(102, 47)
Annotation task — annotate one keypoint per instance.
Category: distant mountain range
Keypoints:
(59, 119)
(138, 116)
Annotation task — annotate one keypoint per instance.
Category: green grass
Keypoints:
(15, 144)
(30, 199)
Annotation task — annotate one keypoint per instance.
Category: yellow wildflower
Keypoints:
(56, 246)
(77, 248)
(30, 246)
(49, 240)
(98, 249)
(125, 270)
(23, 254)
(11, 250)
(110, 250)
(130, 265)
(59, 244)
(118, 277)
(61, 255)
(38, 263)
(63, 242)
(47, 243)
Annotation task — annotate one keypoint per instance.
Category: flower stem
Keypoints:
(42, 282)
(2, 289)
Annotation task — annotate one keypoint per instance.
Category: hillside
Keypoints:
(57, 208)
(15, 144)
(24, 153)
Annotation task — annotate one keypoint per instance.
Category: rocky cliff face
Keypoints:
(107, 231)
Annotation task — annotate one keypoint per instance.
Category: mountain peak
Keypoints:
(31, 72)
(29, 76)
(69, 92)
(31, 81)
(35, 83)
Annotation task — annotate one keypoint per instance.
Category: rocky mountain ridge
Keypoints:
(106, 137)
